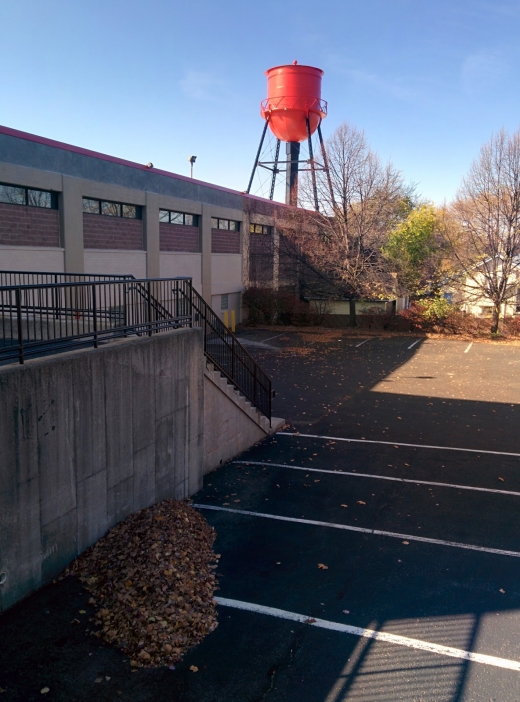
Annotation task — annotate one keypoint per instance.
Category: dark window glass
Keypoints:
(190, 220)
(214, 223)
(176, 218)
(164, 216)
(224, 301)
(39, 198)
(12, 195)
(90, 206)
(112, 209)
(129, 211)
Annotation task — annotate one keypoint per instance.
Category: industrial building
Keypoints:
(67, 209)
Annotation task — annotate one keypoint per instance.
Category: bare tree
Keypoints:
(361, 200)
(487, 211)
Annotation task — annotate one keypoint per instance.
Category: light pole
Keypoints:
(192, 160)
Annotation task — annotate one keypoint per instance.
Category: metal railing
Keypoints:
(227, 354)
(47, 317)
(40, 278)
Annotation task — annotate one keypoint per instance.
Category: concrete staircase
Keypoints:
(231, 423)
(242, 402)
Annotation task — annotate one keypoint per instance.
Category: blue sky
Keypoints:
(428, 82)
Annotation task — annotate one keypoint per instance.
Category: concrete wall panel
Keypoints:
(55, 422)
(182, 264)
(63, 417)
(92, 514)
(226, 273)
(34, 258)
(116, 262)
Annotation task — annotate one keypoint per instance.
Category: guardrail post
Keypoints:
(149, 309)
(94, 316)
(19, 323)
(125, 307)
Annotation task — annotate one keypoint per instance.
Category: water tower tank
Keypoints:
(293, 95)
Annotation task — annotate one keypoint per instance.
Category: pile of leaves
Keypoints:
(152, 581)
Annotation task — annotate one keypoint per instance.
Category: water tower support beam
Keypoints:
(313, 171)
(257, 156)
(275, 169)
(291, 185)
(327, 170)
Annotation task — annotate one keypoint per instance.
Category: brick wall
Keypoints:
(260, 243)
(224, 241)
(177, 237)
(104, 232)
(28, 226)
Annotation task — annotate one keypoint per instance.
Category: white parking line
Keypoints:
(414, 343)
(378, 477)
(374, 532)
(396, 444)
(468, 347)
(272, 337)
(361, 343)
(371, 634)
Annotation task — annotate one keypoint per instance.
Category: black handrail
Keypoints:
(8, 278)
(226, 353)
(47, 318)
(55, 315)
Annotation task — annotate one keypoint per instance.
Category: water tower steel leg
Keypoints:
(275, 169)
(291, 185)
(313, 171)
(257, 156)
(327, 170)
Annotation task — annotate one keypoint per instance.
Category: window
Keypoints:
(111, 209)
(229, 224)
(260, 229)
(18, 195)
(224, 301)
(188, 220)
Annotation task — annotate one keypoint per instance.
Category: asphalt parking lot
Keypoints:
(370, 552)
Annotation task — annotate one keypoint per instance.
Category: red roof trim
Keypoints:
(8, 131)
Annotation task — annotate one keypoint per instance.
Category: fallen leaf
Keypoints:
(360, 502)
(194, 669)
(44, 690)
(346, 611)
(502, 591)
(82, 611)
(406, 543)
(502, 480)
(344, 505)
(278, 562)
(322, 566)
(98, 680)
(309, 621)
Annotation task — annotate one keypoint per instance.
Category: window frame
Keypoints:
(265, 229)
(53, 197)
(121, 205)
(227, 228)
(195, 222)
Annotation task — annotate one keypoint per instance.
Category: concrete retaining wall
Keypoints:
(231, 423)
(87, 438)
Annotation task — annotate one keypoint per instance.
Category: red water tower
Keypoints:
(293, 110)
